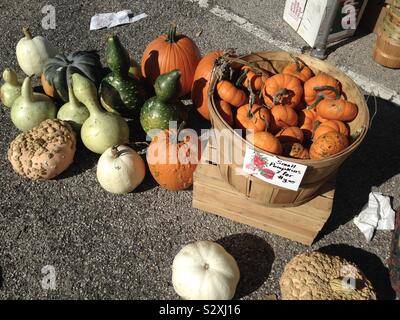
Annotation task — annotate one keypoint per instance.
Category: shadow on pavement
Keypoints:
(254, 257)
(373, 163)
(1, 278)
(369, 264)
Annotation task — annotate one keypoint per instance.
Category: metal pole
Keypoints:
(319, 50)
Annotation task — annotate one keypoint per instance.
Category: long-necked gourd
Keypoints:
(102, 129)
(11, 89)
(73, 111)
(31, 108)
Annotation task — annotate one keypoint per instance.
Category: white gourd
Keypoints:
(32, 53)
(120, 169)
(205, 271)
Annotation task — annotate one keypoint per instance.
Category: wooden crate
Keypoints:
(302, 223)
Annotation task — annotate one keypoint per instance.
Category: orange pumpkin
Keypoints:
(253, 118)
(290, 134)
(321, 86)
(249, 76)
(339, 109)
(306, 122)
(265, 141)
(331, 125)
(169, 52)
(282, 117)
(298, 69)
(283, 90)
(201, 84)
(172, 163)
(47, 87)
(225, 111)
(328, 145)
(229, 93)
(295, 150)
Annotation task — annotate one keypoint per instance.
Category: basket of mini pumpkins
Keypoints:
(290, 106)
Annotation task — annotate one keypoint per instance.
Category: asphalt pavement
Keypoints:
(105, 246)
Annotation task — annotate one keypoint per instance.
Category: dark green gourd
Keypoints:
(120, 92)
(159, 110)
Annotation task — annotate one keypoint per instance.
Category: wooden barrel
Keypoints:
(387, 47)
(317, 173)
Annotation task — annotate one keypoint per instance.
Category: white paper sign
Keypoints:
(270, 169)
(112, 19)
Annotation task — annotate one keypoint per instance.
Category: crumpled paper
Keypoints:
(377, 214)
(112, 19)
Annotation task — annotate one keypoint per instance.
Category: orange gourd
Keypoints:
(283, 90)
(169, 52)
(306, 122)
(265, 141)
(229, 93)
(328, 145)
(321, 86)
(249, 76)
(172, 162)
(298, 69)
(331, 125)
(290, 134)
(253, 117)
(201, 83)
(225, 110)
(339, 109)
(282, 117)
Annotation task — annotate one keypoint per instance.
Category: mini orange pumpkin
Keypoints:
(328, 145)
(290, 134)
(321, 86)
(229, 93)
(172, 162)
(254, 117)
(298, 69)
(265, 141)
(283, 90)
(282, 117)
(295, 150)
(331, 125)
(339, 109)
(306, 122)
(225, 110)
(250, 76)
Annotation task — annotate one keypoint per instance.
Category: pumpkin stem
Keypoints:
(278, 95)
(27, 32)
(241, 78)
(171, 38)
(323, 88)
(114, 152)
(318, 100)
(250, 114)
(297, 61)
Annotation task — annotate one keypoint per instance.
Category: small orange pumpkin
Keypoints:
(328, 145)
(283, 90)
(306, 122)
(250, 76)
(282, 117)
(201, 83)
(229, 93)
(265, 141)
(298, 69)
(169, 52)
(172, 162)
(290, 134)
(339, 109)
(225, 110)
(321, 86)
(295, 150)
(331, 125)
(254, 117)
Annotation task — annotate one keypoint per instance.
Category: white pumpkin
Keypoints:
(32, 53)
(120, 169)
(203, 270)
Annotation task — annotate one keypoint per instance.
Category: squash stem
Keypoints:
(277, 96)
(241, 78)
(250, 113)
(171, 38)
(27, 32)
(331, 88)
(318, 100)
(114, 152)
(26, 89)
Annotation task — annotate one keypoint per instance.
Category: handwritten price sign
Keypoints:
(270, 169)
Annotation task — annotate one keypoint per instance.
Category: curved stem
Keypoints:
(241, 78)
(250, 113)
(318, 100)
(114, 152)
(26, 90)
(171, 33)
(316, 124)
(277, 96)
(27, 32)
(299, 64)
(331, 88)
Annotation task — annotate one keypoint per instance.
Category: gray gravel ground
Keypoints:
(105, 246)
